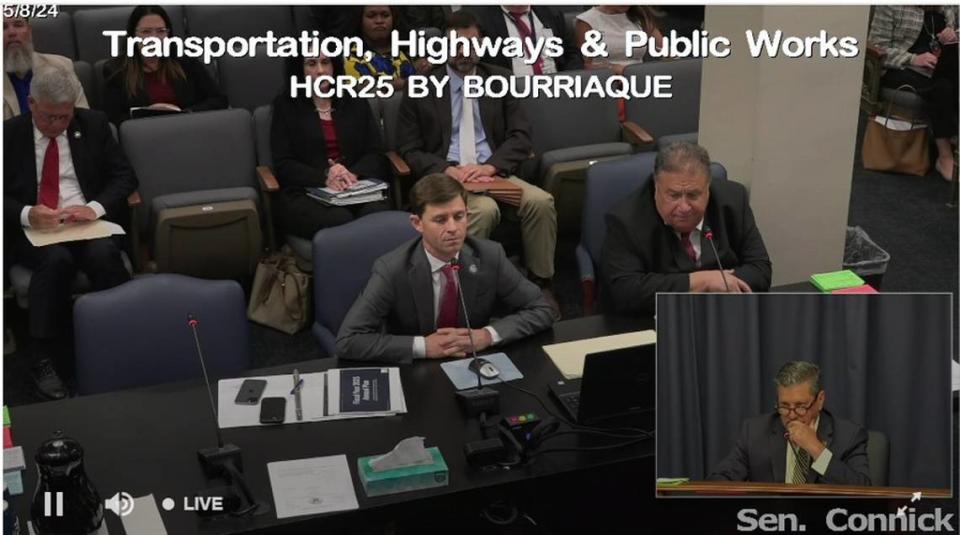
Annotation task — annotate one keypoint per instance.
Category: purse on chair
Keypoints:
(898, 150)
(280, 297)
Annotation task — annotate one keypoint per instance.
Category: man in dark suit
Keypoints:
(435, 136)
(411, 306)
(61, 166)
(657, 238)
(534, 22)
(801, 442)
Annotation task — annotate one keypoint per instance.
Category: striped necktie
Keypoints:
(801, 465)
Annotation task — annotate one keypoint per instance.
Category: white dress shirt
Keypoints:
(439, 285)
(819, 465)
(539, 31)
(70, 193)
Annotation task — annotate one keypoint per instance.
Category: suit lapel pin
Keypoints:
(76, 134)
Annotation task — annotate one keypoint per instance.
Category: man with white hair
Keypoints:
(61, 166)
(19, 62)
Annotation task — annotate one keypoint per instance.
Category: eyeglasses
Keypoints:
(801, 411)
(160, 32)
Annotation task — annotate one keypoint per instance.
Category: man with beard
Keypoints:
(19, 62)
(411, 307)
(491, 141)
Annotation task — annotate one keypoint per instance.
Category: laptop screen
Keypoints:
(618, 382)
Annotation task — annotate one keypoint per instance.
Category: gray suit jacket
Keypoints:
(761, 452)
(397, 304)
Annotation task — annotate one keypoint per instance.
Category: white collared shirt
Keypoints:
(439, 285)
(694, 239)
(70, 192)
(539, 31)
(819, 465)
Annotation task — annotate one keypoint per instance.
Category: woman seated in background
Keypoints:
(613, 22)
(322, 142)
(920, 50)
(375, 26)
(171, 84)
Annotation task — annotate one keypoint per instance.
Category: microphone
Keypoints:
(708, 234)
(455, 264)
(193, 323)
(224, 461)
(479, 400)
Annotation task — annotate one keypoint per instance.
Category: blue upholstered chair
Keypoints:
(342, 258)
(137, 334)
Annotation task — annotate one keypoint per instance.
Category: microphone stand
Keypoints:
(224, 461)
(708, 234)
(480, 399)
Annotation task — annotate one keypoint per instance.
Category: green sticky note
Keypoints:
(835, 280)
(6, 415)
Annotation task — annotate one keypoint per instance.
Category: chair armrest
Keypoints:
(635, 134)
(134, 199)
(399, 166)
(268, 182)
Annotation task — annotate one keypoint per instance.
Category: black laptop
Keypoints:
(617, 388)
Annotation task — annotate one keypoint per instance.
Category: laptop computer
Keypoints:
(617, 388)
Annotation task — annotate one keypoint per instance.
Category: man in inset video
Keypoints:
(801, 442)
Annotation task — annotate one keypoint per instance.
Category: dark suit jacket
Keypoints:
(494, 25)
(197, 92)
(397, 303)
(102, 169)
(642, 256)
(761, 452)
(426, 126)
(300, 152)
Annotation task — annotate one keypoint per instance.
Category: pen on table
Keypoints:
(297, 386)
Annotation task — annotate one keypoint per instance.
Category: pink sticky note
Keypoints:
(7, 439)
(862, 289)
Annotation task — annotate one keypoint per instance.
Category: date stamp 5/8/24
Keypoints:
(30, 11)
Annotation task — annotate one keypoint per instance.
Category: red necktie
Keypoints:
(688, 247)
(50, 177)
(525, 34)
(447, 317)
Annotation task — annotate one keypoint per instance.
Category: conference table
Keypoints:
(145, 441)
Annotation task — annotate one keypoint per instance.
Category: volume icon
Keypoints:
(120, 503)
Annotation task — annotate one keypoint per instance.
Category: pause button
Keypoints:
(48, 505)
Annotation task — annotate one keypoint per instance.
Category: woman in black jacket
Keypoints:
(322, 142)
(175, 84)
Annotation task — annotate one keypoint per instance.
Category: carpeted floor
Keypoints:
(907, 216)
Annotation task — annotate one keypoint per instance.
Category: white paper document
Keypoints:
(312, 486)
(13, 459)
(144, 518)
(73, 232)
(955, 381)
(568, 357)
(312, 398)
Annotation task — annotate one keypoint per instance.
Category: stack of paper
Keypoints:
(13, 460)
(319, 397)
(835, 280)
(569, 357)
(355, 392)
(862, 289)
(364, 191)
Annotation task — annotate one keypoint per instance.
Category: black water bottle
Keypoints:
(65, 502)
